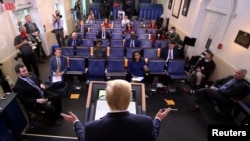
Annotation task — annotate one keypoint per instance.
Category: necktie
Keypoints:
(103, 35)
(32, 83)
(228, 84)
(58, 61)
(132, 43)
(82, 29)
(31, 27)
(74, 43)
(170, 54)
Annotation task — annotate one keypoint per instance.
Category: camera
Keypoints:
(38, 39)
(19, 55)
(31, 44)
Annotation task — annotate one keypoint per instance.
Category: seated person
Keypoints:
(74, 41)
(129, 28)
(222, 91)
(132, 42)
(153, 25)
(170, 52)
(203, 69)
(90, 20)
(125, 20)
(160, 35)
(103, 34)
(137, 67)
(35, 97)
(58, 69)
(106, 23)
(81, 29)
(173, 35)
(99, 51)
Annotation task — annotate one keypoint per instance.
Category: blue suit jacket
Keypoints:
(53, 65)
(164, 53)
(127, 43)
(122, 126)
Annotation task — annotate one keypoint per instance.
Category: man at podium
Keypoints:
(118, 123)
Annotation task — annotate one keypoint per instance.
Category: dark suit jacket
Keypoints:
(28, 28)
(78, 30)
(234, 90)
(164, 53)
(107, 35)
(124, 126)
(53, 65)
(70, 41)
(206, 67)
(127, 43)
(26, 93)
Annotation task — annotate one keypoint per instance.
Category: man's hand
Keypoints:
(42, 86)
(71, 117)
(41, 100)
(162, 113)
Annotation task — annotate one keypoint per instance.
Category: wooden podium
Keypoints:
(138, 96)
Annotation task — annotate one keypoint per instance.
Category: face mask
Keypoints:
(24, 34)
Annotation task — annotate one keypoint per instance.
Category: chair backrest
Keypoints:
(150, 53)
(146, 43)
(90, 35)
(94, 30)
(116, 52)
(176, 66)
(83, 52)
(116, 43)
(117, 36)
(118, 25)
(76, 65)
(161, 43)
(96, 25)
(88, 42)
(96, 69)
(117, 30)
(67, 51)
(142, 36)
(115, 65)
(129, 52)
(140, 31)
(156, 66)
(151, 31)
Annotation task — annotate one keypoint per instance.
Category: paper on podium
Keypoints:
(74, 96)
(169, 101)
(137, 79)
(56, 79)
(102, 108)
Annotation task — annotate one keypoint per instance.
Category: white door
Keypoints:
(212, 27)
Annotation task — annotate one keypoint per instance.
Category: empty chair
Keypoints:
(117, 30)
(88, 42)
(96, 25)
(116, 43)
(146, 43)
(142, 36)
(161, 43)
(129, 52)
(96, 69)
(115, 69)
(83, 52)
(76, 65)
(67, 51)
(176, 69)
(98, 21)
(117, 25)
(117, 36)
(140, 31)
(116, 52)
(150, 53)
(157, 66)
(94, 30)
(116, 22)
(90, 35)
